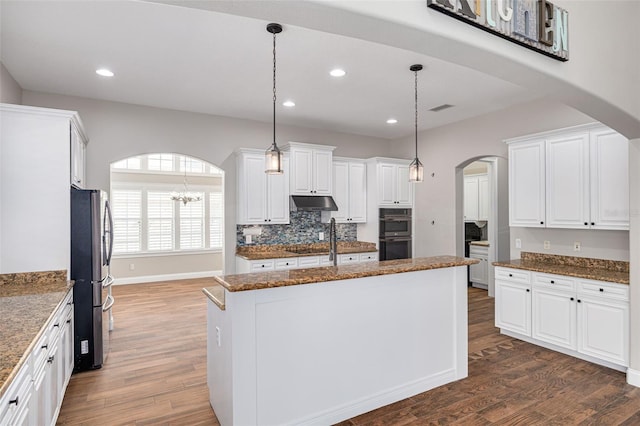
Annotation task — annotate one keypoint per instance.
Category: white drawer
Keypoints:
(368, 257)
(479, 250)
(324, 261)
(512, 275)
(557, 282)
(262, 265)
(345, 259)
(308, 261)
(40, 352)
(604, 289)
(17, 396)
(288, 263)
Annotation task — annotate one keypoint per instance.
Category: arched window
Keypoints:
(148, 220)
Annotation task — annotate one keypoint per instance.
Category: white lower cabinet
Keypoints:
(513, 301)
(35, 395)
(244, 266)
(585, 318)
(479, 272)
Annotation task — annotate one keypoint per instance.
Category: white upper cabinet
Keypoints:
(78, 157)
(609, 179)
(526, 184)
(567, 181)
(42, 153)
(262, 198)
(310, 168)
(394, 187)
(476, 197)
(574, 178)
(350, 190)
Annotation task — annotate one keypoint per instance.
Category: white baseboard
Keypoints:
(633, 377)
(165, 277)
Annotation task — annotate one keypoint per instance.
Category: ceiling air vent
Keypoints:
(440, 107)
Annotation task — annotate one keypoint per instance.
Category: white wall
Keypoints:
(118, 130)
(152, 268)
(10, 90)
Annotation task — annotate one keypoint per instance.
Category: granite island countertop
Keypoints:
(279, 251)
(580, 267)
(271, 279)
(483, 243)
(27, 302)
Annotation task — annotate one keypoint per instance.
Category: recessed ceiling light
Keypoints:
(337, 72)
(289, 104)
(104, 72)
(392, 121)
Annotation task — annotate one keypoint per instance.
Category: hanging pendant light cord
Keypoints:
(416, 107)
(274, 88)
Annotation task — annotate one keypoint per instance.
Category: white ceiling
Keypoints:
(214, 63)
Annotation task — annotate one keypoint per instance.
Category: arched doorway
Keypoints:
(159, 234)
(492, 226)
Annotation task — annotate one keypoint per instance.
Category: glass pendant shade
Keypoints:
(273, 160)
(416, 171)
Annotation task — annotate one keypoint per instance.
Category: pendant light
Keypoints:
(273, 155)
(416, 170)
(185, 196)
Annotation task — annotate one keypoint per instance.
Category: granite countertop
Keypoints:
(580, 267)
(480, 243)
(260, 280)
(27, 302)
(278, 251)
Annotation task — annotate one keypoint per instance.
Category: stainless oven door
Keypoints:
(399, 226)
(395, 248)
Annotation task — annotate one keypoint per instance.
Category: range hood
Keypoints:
(312, 203)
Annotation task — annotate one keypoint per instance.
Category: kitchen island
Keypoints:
(321, 345)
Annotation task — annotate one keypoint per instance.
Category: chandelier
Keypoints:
(185, 196)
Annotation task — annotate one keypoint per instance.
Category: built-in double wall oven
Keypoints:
(395, 234)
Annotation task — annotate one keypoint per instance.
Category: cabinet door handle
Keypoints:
(56, 324)
(541, 223)
(44, 346)
(593, 223)
(510, 275)
(51, 358)
(572, 299)
(14, 401)
(602, 290)
(586, 223)
(553, 282)
(579, 301)
(528, 290)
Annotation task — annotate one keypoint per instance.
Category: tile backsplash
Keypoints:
(303, 228)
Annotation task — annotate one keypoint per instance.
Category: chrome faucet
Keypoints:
(333, 242)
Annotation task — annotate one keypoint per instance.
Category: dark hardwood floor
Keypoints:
(156, 374)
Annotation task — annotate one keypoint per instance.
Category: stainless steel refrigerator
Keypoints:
(91, 248)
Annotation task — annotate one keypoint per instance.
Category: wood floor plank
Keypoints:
(156, 374)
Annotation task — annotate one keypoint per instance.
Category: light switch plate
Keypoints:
(518, 243)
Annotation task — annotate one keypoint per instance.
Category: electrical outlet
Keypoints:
(321, 236)
(547, 245)
(518, 243)
(218, 340)
(576, 246)
(132, 267)
(248, 239)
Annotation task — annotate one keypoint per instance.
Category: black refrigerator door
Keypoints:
(88, 272)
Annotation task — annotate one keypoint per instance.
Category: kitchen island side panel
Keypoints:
(321, 353)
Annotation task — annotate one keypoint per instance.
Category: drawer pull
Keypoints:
(553, 282)
(510, 275)
(602, 290)
(51, 358)
(44, 346)
(14, 401)
(56, 324)
(572, 299)
(586, 223)
(579, 301)
(528, 290)
(68, 321)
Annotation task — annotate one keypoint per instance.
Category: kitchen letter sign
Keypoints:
(535, 24)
